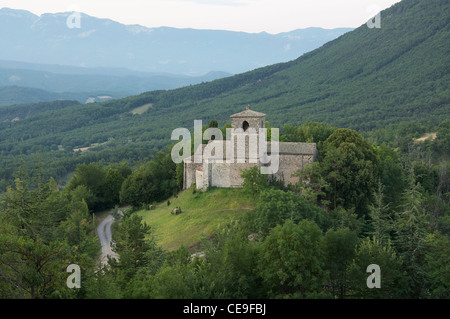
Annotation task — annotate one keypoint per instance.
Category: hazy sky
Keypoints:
(272, 16)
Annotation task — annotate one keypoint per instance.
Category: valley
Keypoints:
(80, 181)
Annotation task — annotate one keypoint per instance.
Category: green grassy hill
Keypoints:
(201, 213)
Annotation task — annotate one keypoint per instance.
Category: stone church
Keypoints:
(222, 161)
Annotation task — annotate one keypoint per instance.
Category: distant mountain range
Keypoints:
(42, 59)
(12, 95)
(28, 82)
(47, 39)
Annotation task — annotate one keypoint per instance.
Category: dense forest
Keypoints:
(360, 204)
(367, 80)
(379, 193)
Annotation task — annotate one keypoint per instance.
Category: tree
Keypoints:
(82, 193)
(137, 249)
(312, 185)
(393, 277)
(179, 176)
(155, 181)
(213, 123)
(164, 171)
(101, 285)
(232, 263)
(391, 175)
(311, 132)
(380, 219)
(441, 144)
(175, 282)
(254, 182)
(437, 265)
(276, 206)
(78, 229)
(32, 269)
(113, 184)
(92, 176)
(411, 231)
(33, 254)
(349, 165)
(43, 231)
(293, 262)
(339, 248)
(136, 189)
(347, 218)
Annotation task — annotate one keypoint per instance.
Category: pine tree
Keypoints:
(379, 213)
(393, 277)
(411, 231)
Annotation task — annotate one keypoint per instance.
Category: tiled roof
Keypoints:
(297, 148)
(284, 148)
(248, 113)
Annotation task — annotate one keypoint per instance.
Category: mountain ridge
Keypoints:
(13, 95)
(71, 81)
(105, 43)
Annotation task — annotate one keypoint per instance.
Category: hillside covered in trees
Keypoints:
(378, 194)
(367, 80)
(360, 204)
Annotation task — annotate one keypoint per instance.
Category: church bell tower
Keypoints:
(246, 127)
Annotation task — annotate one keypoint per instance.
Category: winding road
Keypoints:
(104, 234)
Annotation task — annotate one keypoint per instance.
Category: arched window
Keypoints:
(245, 126)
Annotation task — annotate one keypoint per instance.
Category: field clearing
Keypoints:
(201, 213)
(427, 136)
(141, 109)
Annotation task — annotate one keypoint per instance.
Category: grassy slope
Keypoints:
(141, 109)
(201, 213)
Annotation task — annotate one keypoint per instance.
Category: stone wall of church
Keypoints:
(190, 177)
(236, 171)
(220, 175)
(229, 174)
(290, 164)
(199, 179)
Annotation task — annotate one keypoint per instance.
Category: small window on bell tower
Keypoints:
(245, 126)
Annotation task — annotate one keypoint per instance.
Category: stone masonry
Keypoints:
(216, 169)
